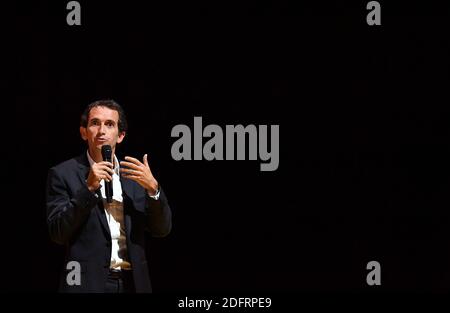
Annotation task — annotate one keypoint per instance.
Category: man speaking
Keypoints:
(99, 208)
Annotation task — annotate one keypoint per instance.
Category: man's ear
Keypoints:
(83, 132)
(121, 137)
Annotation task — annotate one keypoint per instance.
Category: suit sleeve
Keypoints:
(159, 215)
(65, 215)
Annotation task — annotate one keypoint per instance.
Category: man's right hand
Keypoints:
(101, 170)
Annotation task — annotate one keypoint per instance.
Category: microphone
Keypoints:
(107, 156)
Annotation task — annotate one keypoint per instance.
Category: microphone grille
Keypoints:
(106, 152)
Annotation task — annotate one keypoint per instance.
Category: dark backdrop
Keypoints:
(364, 137)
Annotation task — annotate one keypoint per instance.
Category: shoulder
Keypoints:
(69, 166)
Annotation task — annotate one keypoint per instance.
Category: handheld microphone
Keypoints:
(107, 156)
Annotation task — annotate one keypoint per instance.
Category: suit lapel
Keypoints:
(83, 168)
(100, 210)
(127, 187)
(127, 195)
(83, 172)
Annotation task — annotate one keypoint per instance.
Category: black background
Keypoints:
(364, 137)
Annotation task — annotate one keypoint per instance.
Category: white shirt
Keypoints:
(114, 214)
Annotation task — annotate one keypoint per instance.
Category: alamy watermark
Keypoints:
(237, 138)
(374, 276)
(374, 16)
(73, 278)
(74, 15)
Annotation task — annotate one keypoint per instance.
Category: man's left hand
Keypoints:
(140, 173)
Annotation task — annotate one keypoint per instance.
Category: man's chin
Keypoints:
(100, 145)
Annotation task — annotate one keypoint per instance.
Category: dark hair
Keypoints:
(111, 104)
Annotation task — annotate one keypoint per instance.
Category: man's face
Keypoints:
(102, 128)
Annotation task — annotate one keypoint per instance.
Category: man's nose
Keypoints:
(102, 128)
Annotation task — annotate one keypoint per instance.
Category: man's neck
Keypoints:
(96, 155)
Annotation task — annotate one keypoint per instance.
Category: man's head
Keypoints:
(103, 122)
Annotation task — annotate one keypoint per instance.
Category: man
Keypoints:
(105, 239)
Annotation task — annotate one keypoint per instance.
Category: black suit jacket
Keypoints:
(76, 218)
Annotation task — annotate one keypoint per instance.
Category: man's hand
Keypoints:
(140, 173)
(101, 170)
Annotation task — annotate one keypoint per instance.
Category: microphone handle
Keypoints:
(108, 192)
(108, 189)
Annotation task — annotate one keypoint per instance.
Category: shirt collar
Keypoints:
(116, 162)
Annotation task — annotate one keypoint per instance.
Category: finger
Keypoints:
(107, 177)
(109, 164)
(130, 171)
(107, 169)
(130, 165)
(146, 163)
(132, 177)
(103, 171)
(133, 160)
(146, 160)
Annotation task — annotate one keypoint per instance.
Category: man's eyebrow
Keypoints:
(97, 119)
